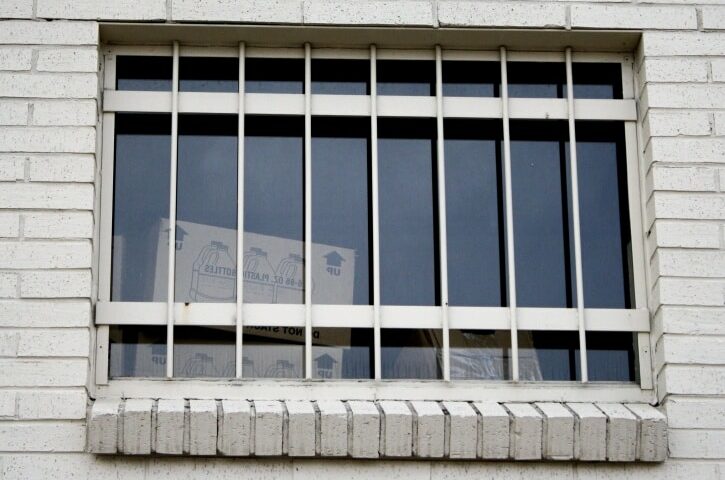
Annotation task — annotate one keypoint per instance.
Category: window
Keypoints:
(395, 214)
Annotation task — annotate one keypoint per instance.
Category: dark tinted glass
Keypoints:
(273, 352)
(408, 212)
(411, 354)
(536, 79)
(475, 213)
(480, 354)
(144, 73)
(141, 207)
(204, 352)
(273, 210)
(206, 209)
(208, 74)
(597, 80)
(137, 351)
(340, 211)
(541, 210)
(342, 353)
(471, 79)
(274, 75)
(341, 77)
(406, 77)
(604, 215)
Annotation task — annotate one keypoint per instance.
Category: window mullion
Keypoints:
(308, 212)
(172, 215)
(376, 209)
(240, 216)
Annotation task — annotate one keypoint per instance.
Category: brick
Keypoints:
(268, 419)
(368, 12)
(13, 112)
(679, 291)
(51, 33)
(429, 430)
(9, 340)
(35, 195)
(676, 205)
(719, 123)
(67, 60)
(12, 167)
(689, 150)
(499, 14)
(679, 263)
(136, 416)
(558, 431)
(7, 403)
(672, 124)
(713, 18)
(697, 444)
(590, 432)
(682, 43)
(48, 139)
(493, 437)
(526, 431)
(42, 437)
(621, 432)
(247, 11)
(58, 225)
(16, 9)
(693, 380)
(684, 179)
(23, 255)
(45, 313)
(364, 439)
(700, 350)
(671, 233)
(333, 428)
(169, 437)
(51, 85)
(62, 113)
(684, 96)
(397, 429)
(9, 225)
(103, 426)
(8, 285)
(55, 342)
(103, 9)
(630, 17)
(689, 320)
(235, 428)
(54, 284)
(462, 430)
(43, 373)
(674, 70)
(14, 58)
(301, 429)
(652, 433)
(707, 413)
(52, 404)
(62, 168)
(202, 427)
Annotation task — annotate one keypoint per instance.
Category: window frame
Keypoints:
(376, 316)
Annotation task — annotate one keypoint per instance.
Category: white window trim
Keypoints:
(375, 316)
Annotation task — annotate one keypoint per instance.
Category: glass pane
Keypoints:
(604, 215)
(204, 352)
(406, 77)
(340, 211)
(342, 353)
(536, 79)
(137, 351)
(274, 75)
(543, 232)
(273, 352)
(273, 210)
(597, 80)
(141, 208)
(341, 77)
(206, 209)
(408, 212)
(611, 357)
(480, 354)
(475, 213)
(208, 74)
(471, 79)
(411, 354)
(144, 73)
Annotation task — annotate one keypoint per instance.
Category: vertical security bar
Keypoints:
(308, 212)
(240, 213)
(442, 235)
(511, 258)
(575, 214)
(172, 215)
(376, 208)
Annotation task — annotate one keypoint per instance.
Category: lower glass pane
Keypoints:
(137, 351)
(480, 354)
(204, 352)
(273, 352)
(342, 353)
(411, 353)
(611, 356)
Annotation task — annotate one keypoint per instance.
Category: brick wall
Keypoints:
(48, 140)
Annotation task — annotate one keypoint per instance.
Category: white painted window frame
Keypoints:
(377, 316)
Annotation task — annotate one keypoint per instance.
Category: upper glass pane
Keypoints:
(274, 210)
(208, 74)
(341, 77)
(406, 77)
(408, 212)
(144, 73)
(206, 209)
(597, 80)
(474, 213)
(536, 79)
(471, 79)
(274, 75)
(141, 208)
(340, 211)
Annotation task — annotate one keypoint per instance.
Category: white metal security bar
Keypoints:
(170, 300)
(238, 361)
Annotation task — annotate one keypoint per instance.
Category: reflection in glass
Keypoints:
(204, 352)
(273, 210)
(342, 353)
(340, 219)
(411, 353)
(144, 73)
(480, 354)
(208, 74)
(274, 75)
(597, 80)
(471, 79)
(536, 79)
(141, 207)
(137, 351)
(406, 77)
(340, 77)
(206, 209)
(475, 213)
(542, 215)
(273, 352)
(408, 212)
